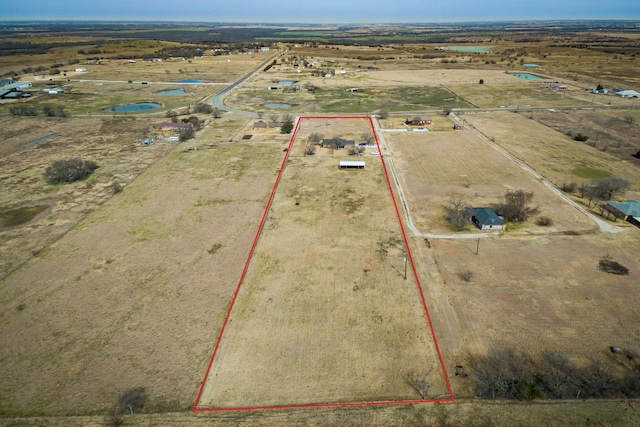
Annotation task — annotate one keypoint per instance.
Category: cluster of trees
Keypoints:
(69, 170)
(601, 190)
(505, 374)
(32, 110)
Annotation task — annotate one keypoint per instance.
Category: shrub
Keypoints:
(69, 170)
(608, 265)
(544, 221)
(287, 127)
(580, 137)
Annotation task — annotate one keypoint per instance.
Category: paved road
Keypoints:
(217, 99)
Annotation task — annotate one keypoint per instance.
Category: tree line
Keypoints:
(31, 110)
(507, 374)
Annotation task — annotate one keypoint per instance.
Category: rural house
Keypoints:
(486, 219)
(629, 210)
(338, 143)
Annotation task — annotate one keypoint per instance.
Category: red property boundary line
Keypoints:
(450, 398)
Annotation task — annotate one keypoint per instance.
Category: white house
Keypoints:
(81, 70)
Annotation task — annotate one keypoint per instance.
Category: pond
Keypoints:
(276, 105)
(190, 81)
(134, 107)
(531, 65)
(21, 215)
(179, 91)
(528, 76)
(468, 49)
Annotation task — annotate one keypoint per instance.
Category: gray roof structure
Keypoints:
(629, 208)
(486, 216)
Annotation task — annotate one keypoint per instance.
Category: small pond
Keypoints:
(276, 105)
(134, 107)
(531, 65)
(21, 215)
(528, 76)
(190, 81)
(178, 91)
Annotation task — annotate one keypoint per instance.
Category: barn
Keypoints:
(352, 164)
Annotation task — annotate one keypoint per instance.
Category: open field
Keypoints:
(133, 295)
(438, 166)
(541, 293)
(105, 290)
(325, 311)
(555, 155)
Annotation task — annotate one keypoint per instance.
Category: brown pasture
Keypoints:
(105, 292)
(438, 166)
(325, 311)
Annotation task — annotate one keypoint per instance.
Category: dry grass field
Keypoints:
(133, 295)
(555, 155)
(325, 311)
(105, 290)
(438, 166)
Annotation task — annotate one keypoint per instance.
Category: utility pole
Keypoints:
(405, 266)
(478, 246)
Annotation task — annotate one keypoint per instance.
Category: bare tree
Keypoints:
(558, 376)
(502, 374)
(420, 382)
(517, 205)
(132, 400)
(367, 137)
(382, 114)
(356, 151)
(315, 138)
(455, 214)
(607, 187)
(310, 150)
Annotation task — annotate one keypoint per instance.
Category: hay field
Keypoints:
(437, 166)
(325, 314)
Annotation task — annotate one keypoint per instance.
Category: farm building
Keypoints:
(352, 164)
(557, 86)
(337, 143)
(628, 93)
(418, 121)
(629, 210)
(486, 219)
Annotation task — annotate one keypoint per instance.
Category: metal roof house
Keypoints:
(338, 143)
(486, 219)
(629, 210)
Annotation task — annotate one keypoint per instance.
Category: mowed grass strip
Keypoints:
(324, 314)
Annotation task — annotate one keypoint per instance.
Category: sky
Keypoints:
(320, 11)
